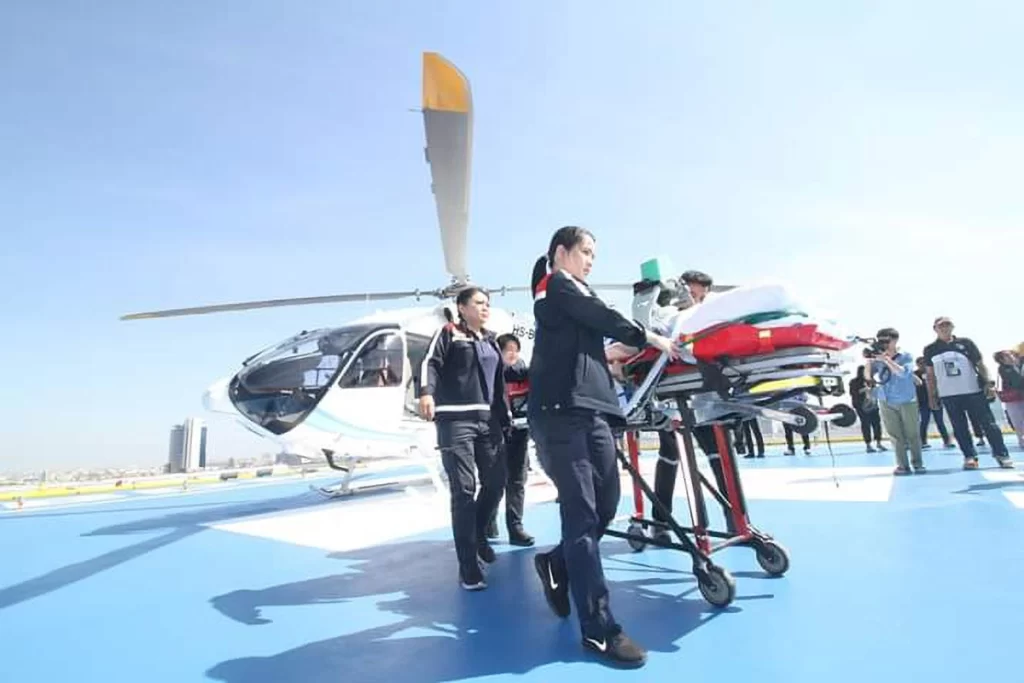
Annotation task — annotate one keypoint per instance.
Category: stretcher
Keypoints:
(749, 353)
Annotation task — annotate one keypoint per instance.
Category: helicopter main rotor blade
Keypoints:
(448, 120)
(274, 303)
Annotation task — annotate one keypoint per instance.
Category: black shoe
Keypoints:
(619, 648)
(556, 588)
(520, 538)
(485, 552)
(472, 580)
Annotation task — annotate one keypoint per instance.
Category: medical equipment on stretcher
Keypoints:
(748, 353)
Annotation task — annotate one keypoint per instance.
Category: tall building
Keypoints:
(176, 456)
(188, 446)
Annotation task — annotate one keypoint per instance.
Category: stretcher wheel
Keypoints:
(773, 558)
(635, 543)
(810, 420)
(717, 586)
(847, 415)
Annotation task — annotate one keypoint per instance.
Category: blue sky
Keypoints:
(164, 155)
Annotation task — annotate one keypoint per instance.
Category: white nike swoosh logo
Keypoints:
(602, 645)
(551, 580)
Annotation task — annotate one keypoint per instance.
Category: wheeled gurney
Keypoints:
(750, 353)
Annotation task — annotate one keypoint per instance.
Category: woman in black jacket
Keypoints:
(516, 447)
(463, 391)
(572, 405)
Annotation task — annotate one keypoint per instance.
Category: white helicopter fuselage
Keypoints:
(348, 392)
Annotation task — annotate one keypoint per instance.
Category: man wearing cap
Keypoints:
(956, 375)
(698, 285)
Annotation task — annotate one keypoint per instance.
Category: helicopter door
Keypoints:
(369, 395)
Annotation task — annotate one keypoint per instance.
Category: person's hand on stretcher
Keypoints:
(618, 353)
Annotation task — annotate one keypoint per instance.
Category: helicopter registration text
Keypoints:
(522, 331)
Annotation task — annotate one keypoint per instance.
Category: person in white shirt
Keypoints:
(956, 375)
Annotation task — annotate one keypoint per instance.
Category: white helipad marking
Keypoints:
(856, 484)
(350, 524)
(1015, 496)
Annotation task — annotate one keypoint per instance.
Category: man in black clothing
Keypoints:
(667, 467)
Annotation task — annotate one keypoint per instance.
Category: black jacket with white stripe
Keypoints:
(454, 375)
(568, 369)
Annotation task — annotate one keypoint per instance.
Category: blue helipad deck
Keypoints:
(892, 579)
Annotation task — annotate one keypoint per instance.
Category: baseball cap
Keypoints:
(941, 320)
(696, 277)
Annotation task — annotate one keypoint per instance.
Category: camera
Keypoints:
(876, 347)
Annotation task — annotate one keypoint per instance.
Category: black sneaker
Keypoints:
(556, 588)
(520, 538)
(485, 552)
(619, 648)
(472, 580)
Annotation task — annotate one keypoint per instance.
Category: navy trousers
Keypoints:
(964, 409)
(467, 446)
(577, 451)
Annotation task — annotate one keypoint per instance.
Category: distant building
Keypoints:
(188, 446)
(176, 456)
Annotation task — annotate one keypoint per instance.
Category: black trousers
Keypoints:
(870, 426)
(465, 444)
(577, 451)
(666, 468)
(926, 417)
(751, 431)
(515, 485)
(973, 407)
(788, 432)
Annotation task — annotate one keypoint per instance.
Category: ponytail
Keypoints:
(566, 237)
(540, 270)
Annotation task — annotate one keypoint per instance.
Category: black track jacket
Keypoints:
(568, 368)
(453, 374)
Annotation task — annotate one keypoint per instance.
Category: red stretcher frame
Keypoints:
(715, 583)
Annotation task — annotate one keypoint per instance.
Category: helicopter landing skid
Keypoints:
(347, 464)
(342, 488)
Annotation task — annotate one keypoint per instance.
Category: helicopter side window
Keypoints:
(379, 364)
(418, 346)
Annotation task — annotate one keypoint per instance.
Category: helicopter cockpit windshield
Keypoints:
(279, 386)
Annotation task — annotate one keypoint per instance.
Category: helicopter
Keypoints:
(346, 395)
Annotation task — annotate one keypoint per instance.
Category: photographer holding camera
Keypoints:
(893, 370)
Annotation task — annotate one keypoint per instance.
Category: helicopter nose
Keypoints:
(215, 398)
